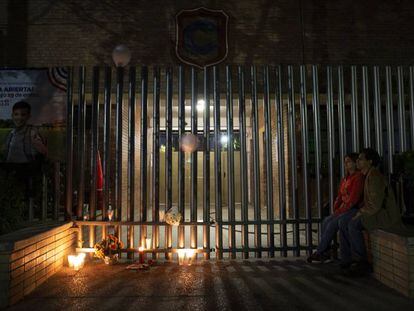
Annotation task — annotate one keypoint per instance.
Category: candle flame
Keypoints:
(185, 256)
(76, 261)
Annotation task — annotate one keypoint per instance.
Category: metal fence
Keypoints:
(271, 146)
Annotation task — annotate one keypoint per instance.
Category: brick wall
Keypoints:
(29, 257)
(72, 32)
(392, 258)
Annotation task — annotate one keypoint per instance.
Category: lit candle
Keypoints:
(185, 256)
(190, 256)
(181, 256)
(76, 261)
(71, 260)
(141, 254)
(110, 213)
(148, 243)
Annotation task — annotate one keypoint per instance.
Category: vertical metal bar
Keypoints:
(69, 144)
(193, 192)
(354, 109)
(268, 163)
(56, 180)
(377, 111)
(401, 109)
(412, 105)
(144, 145)
(168, 154)
(341, 119)
(94, 141)
(131, 156)
(156, 158)
(331, 135)
(304, 131)
(390, 120)
(206, 166)
(281, 158)
(181, 155)
(293, 173)
(44, 197)
(230, 163)
(94, 152)
(317, 133)
(81, 140)
(243, 164)
(256, 168)
(118, 147)
(80, 236)
(106, 194)
(365, 107)
(31, 199)
(217, 163)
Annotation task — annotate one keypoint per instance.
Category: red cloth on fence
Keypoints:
(99, 173)
(99, 182)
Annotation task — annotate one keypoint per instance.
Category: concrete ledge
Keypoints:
(392, 256)
(30, 256)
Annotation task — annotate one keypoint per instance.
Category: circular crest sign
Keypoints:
(201, 36)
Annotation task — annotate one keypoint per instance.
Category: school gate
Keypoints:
(271, 143)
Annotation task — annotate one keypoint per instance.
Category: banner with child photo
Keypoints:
(32, 115)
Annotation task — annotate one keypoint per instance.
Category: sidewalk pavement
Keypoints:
(268, 284)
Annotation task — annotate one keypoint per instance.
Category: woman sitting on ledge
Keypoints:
(345, 207)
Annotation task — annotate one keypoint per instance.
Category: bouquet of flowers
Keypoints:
(108, 249)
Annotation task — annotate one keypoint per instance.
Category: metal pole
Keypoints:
(365, 107)
(56, 180)
(390, 120)
(304, 131)
(206, 165)
(131, 156)
(106, 195)
(331, 135)
(281, 158)
(377, 111)
(44, 197)
(81, 140)
(256, 168)
(268, 163)
(118, 147)
(144, 146)
(293, 173)
(156, 158)
(354, 109)
(94, 152)
(69, 143)
(317, 133)
(217, 163)
(401, 109)
(230, 162)
(243, 164)
(168, 160)
(412, 104)
(193, 192)
(181, 155)
(341, 120)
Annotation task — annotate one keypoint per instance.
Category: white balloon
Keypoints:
(189, 143)
(121, 55)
